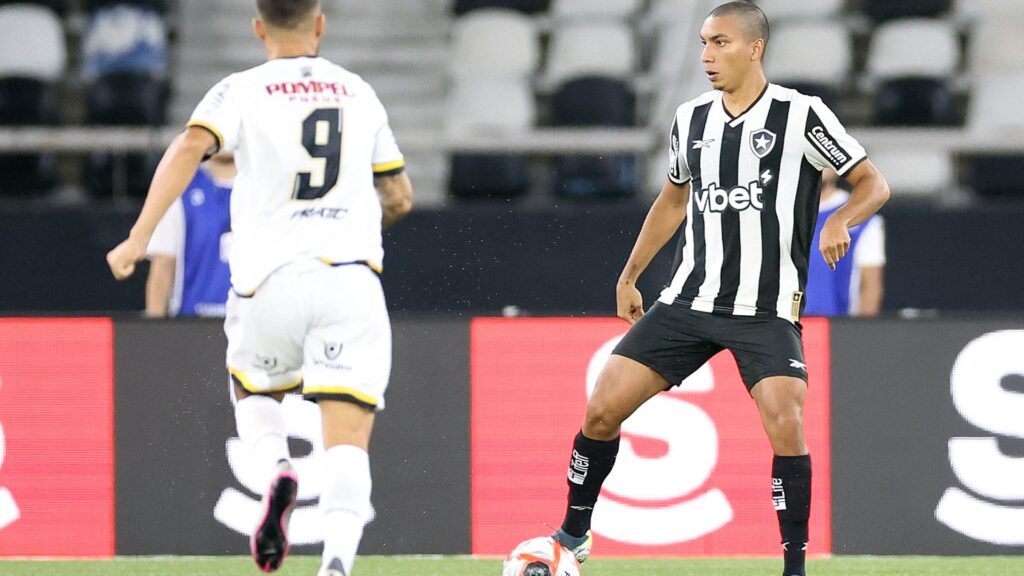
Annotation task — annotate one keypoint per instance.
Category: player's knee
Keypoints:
(602, 421)
(784, 422)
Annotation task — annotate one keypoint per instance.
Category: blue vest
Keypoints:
(207, 278)
(828, 292)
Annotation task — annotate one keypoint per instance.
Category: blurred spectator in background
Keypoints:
(856, 286)
(188, 254)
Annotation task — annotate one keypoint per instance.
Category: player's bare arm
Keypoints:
(172, 176)
(395, 193)
(870, 192)
(663, 220)
(159, 284)
(872, 290)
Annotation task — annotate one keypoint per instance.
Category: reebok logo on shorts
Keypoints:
(797, 364)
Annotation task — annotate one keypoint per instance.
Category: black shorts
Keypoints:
(675, 341)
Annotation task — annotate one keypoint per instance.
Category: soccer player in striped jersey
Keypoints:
(745, 162)
(319, 174)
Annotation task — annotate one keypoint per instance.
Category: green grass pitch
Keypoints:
(464, 566)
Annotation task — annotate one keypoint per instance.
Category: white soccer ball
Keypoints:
(540, 556)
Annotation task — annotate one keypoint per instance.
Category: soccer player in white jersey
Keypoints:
(743, 178)
(319, 174)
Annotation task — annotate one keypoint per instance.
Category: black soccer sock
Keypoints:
(591, 462)
(791, 495)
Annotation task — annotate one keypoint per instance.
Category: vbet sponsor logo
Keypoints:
(652, 501)
(980, 395)
(739, 198)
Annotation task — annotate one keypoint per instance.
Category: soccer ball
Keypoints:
(540, 556)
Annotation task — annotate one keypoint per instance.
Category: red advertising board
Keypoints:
(693, 475)
(56, 437)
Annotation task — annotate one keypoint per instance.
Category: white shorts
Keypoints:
(313, 326)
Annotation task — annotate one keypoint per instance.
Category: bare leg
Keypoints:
(622, 387)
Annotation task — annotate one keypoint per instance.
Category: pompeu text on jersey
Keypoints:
(310, 91)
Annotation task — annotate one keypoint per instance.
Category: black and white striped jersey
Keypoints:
(754, 187)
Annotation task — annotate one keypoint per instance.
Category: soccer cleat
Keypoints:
(335, 568)
(580, 547)
(269, 541)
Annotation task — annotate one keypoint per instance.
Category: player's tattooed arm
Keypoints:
(395, 193)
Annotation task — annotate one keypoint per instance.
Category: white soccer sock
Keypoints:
(345, 502)
(260, 424)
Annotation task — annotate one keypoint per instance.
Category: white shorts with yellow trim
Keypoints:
(312, 326)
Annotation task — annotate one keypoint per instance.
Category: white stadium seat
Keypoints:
(918, 47)
(490, 106)
(916, 172)
(594, 8)
(494, 42)
(598, 48)
(31, 43)
(788, 57)
(989, 8)
(779, 10)
(995, 104)
(996, 46)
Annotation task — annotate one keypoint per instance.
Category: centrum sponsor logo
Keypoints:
(828, 145)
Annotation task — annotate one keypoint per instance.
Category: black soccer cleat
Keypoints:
(269, 541)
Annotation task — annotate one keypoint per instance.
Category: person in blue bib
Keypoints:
(188, 254)
(856, 286)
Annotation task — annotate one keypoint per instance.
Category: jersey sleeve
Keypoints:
(870, 249)
(826, 142)
(220, 113)
(678, 171)
(387, 158)
(169, 232)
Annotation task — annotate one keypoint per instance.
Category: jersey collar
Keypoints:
(738, 119)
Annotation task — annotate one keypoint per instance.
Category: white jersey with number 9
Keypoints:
(309, 137)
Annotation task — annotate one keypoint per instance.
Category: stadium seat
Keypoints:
(913, 85)
(598, 48)
(594, 101)
(989, 9)
(485, 106)
(31, 43)
(915, 173)
(488, 176)
(580, 9)
(915, 102)
(59, 7)
(27, 102)
(819, 72)
(996, 46)
(591, 101)
(494, 42)
(782, 10)
(490, 106)
(995, 108)
(936, 49)
(594, 177)
(156, 5)
(127, 99)
(124, 38)
(882, 10)
(28, 95)
(124, 99)
(524, 6)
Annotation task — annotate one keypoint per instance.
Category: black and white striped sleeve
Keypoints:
(678, 171)
(827, 144)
